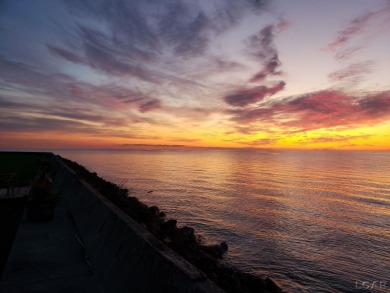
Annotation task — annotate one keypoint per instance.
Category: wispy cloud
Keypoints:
(66, 54)
(355, 27)
(325, 109)
(353, 73)
(345, 139)
(304, 139)
(65, 88)
(64, 104)
(344, 54)
(55, 124)
(350, 44)
(130, 36)
(245, 97)
(356, 35)
(99, 53)
(119, 67)
(153, 42)
(16, 123)
(185, 28)
(262, 47)
(150, 105)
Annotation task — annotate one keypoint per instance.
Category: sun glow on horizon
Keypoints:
(209, 74)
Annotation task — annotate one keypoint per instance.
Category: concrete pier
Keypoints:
(115, 254)
(46, 257)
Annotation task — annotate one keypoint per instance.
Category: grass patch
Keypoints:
(25, 165)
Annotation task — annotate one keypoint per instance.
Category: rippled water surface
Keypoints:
(314, 221)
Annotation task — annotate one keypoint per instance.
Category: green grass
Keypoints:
(25, 165)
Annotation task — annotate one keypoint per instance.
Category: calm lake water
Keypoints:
(314, 221)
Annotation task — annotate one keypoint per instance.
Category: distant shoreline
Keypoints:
(146, 147)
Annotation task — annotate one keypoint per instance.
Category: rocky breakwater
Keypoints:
(182, 240)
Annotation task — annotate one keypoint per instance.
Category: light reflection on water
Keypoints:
(315, 221)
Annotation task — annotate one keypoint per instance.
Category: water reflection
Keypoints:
(313, 220)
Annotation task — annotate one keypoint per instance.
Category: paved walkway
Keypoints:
(47, 257)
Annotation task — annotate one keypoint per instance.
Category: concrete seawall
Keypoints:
(124, 255)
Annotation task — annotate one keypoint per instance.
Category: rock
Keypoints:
(224, 246)
(169, 225)
(154, 210)
(188, 233)
(216, 250)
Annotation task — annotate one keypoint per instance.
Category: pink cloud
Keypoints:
(318, 110)
(353, 71)
(283, 25)
(344, 54)
(356, 27)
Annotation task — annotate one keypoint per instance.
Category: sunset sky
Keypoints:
(224, 73)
